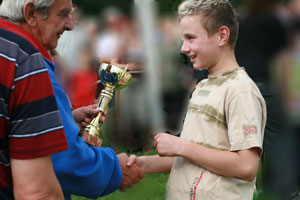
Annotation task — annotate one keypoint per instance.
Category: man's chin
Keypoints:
(51, 46)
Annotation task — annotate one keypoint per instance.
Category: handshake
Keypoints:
(131, 174)
(134, 167)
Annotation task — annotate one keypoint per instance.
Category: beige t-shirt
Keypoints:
(226, 112)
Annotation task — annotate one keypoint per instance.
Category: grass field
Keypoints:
(152, 187)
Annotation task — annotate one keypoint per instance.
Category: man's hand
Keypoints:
(84, 115)
(167, 145)
(131, 175)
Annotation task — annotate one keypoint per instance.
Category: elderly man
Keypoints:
(30, 125)
(82, 170)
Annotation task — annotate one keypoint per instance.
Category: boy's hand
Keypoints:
(167, 145)
(133, 159)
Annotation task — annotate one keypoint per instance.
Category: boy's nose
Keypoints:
(184, 48)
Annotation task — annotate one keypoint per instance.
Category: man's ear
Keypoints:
(29, 12)
(224, 34)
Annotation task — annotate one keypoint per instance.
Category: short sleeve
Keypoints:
(246, 120)
(36, 128)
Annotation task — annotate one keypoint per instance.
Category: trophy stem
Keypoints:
(91, 132)
(105, 97)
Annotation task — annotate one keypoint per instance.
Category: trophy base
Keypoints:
(91, 139)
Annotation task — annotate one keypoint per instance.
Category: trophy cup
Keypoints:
(113, 78)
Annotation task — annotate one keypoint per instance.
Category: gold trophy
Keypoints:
(113, 78)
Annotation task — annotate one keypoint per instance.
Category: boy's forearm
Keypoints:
(155, 164)
(240, 164)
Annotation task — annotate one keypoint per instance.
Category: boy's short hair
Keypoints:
(216, 13)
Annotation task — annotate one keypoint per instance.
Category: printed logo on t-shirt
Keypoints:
(203, 93)
(195, 185)
(249, 129)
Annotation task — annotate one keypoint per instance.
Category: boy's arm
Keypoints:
(241, 164)
(152, 164)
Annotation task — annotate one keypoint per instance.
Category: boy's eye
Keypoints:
(189, 37)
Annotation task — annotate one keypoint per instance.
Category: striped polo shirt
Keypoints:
(30, 124)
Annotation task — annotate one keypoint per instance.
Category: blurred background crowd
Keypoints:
(114, 31)
(268, 46)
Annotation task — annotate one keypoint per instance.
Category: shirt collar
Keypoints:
(21, 32)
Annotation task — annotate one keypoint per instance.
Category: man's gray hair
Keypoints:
(12, 10)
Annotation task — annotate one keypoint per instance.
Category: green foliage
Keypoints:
(167, 6)
(170, 6)
(236, 3)
(95, 7)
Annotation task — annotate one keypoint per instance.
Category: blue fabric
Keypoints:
(82, 170)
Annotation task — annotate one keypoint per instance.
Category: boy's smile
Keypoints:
(200, 47)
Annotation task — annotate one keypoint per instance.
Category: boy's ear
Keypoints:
(29, 13)
(224, 34)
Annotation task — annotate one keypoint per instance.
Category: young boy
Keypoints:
(217, 154)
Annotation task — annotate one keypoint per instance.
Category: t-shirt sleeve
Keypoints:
(245, 119)
(36, 128)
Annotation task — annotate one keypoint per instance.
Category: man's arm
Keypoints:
(241, 164)
(35, 179)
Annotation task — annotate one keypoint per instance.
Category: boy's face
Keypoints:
(200, 47)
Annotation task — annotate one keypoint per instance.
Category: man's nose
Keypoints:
(70, 23)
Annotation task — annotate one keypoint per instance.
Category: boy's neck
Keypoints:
(227, 62)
